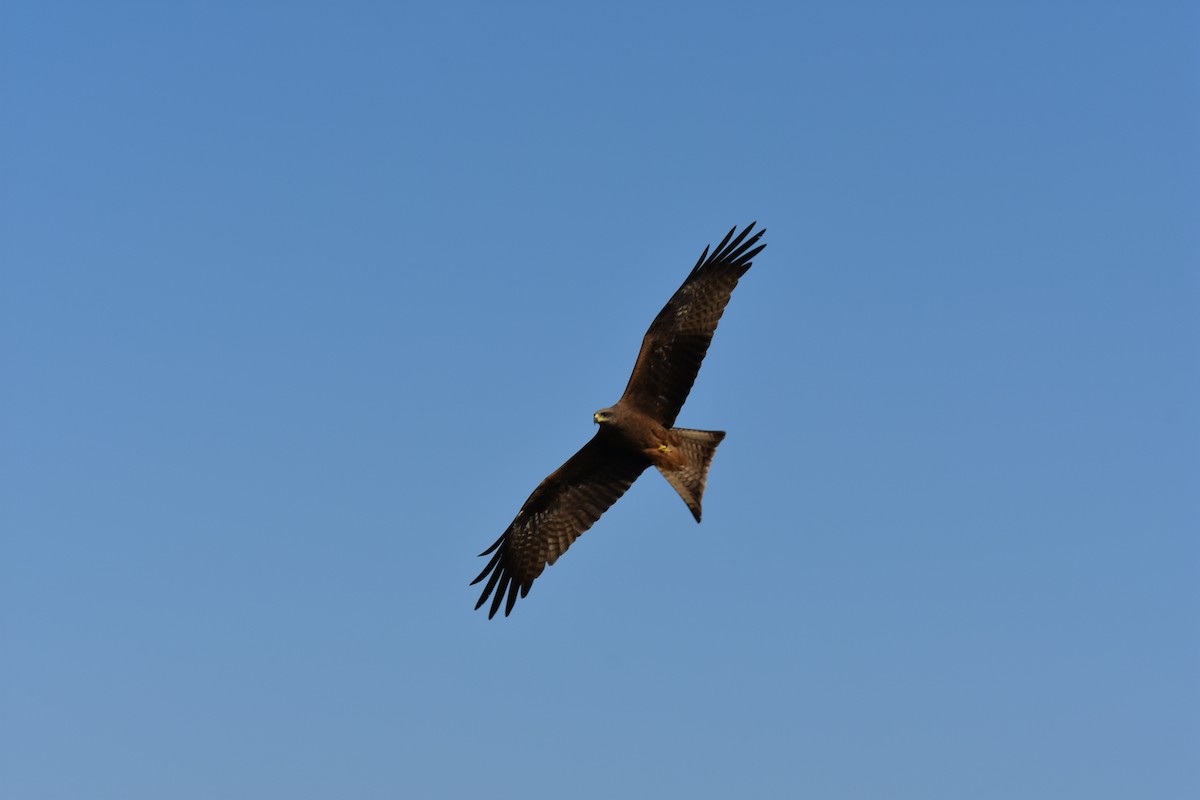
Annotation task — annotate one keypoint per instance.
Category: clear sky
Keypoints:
(300, 301)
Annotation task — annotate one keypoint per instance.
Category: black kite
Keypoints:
(634, 434)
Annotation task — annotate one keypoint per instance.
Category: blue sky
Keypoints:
(300, 301)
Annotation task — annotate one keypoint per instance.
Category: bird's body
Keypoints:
(682, 455)
(636, 433)
(633, 429)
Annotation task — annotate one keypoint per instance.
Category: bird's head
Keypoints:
(604, 415)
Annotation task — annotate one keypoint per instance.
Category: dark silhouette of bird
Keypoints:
(634, 434)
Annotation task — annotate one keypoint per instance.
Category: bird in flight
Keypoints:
(634, 434)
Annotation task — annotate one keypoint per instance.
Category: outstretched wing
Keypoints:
(678, 338)
(560, 509)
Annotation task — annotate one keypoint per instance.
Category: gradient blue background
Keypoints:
(300, 301)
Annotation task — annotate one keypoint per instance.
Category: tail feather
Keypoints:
(697, 448)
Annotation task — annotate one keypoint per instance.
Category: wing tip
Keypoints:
(732, 251)
(502, 587)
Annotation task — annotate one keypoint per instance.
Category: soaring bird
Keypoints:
(634, 434)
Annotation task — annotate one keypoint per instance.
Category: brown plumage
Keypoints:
(634, 434)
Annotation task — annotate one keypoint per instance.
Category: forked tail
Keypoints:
(697, 449)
